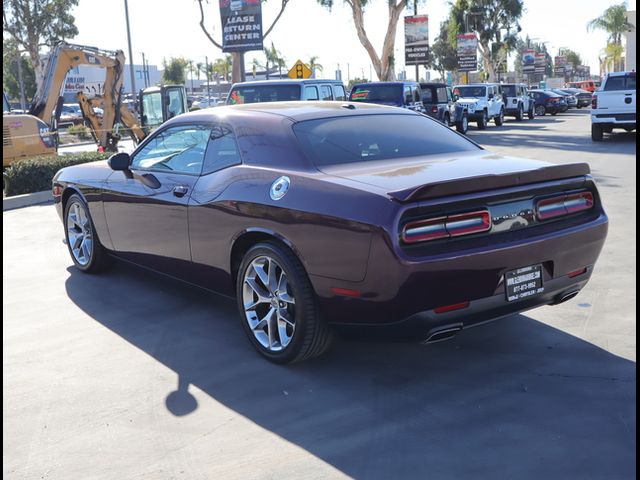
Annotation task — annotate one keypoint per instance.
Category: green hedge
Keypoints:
(35, 174)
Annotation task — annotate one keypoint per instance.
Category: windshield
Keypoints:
(470, 91)
(263, 93)
(362, 138)
(376, 93)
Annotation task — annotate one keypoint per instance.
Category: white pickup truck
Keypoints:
(613, 105)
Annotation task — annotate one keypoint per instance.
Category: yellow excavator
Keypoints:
(36, 133)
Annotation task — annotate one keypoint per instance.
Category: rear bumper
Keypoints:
(623, 119)
(402, 293)
(425, 325)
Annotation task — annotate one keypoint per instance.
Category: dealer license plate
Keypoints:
(523, 282)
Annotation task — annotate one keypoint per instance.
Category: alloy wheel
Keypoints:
(269, 304)
(79, 234)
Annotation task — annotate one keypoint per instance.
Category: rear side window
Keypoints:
(339, 93)
(362, 138)
(325, 92)
(622, 82)
(222, 150)
(311, 93)
(442, 95)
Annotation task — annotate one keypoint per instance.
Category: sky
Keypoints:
(170, 28)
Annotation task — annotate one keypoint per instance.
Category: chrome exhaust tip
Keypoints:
(565, 296)
(443, 333)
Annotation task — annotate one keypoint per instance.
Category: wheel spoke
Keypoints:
(272, 284)
(262, 275)
(262, 294)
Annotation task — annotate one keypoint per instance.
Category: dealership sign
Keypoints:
(416, 39)
(467, 52)
(540, 62)
(559, 64)
(529, 61)
(241, 25)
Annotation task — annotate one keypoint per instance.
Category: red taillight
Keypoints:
(100, 149)
(423, 230)
(468, 223)
(445, 227)
(577, 273)
(594, 101)
(434, 109)
(564, 205)
(451, 308)
(57, 190)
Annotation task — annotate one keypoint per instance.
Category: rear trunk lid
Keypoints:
(421, 178)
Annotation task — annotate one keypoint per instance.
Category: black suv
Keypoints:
(439, 102)
(396, 94)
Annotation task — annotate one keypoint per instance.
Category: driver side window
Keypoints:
(177, 149)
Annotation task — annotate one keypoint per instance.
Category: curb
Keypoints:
(26, 200)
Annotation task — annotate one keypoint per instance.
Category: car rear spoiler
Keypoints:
(490, 182)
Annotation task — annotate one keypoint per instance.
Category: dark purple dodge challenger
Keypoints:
(328, 216)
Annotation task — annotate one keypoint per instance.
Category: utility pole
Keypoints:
(133, 76)
(348, 73)
(144, 71)
(206, 63)
(415, 12)
(23, 101)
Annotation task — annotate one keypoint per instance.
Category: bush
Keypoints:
(82, 132)
(35, 174)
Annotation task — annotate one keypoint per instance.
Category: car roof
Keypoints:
(408, 82)
(433, 84)
(284, 81)
(295, 111)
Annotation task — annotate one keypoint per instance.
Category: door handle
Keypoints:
(180, 190)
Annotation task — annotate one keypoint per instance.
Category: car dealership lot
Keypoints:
(129, 375)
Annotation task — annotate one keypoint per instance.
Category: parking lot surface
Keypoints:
(129, 375)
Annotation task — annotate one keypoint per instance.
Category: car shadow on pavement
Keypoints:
(512, 399)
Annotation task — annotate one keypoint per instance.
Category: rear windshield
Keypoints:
(509, 90)
(362, 138)
(470, 91)
(428, 95)
(622, 82)
(264, 93)
(376, 93)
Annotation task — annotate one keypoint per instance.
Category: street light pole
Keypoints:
(133, 77)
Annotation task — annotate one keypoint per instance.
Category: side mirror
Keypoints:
(119, 161)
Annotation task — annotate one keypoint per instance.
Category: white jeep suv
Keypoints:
(483, 102)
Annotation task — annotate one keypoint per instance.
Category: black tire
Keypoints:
(463, 125)
(578, 106)
(607, 129)
(540, 110)
(446, 120)
(499, 120)
(555, 112)
(597, 132)
(99, 259)
(312, 336)
(483, 121)
(520, 114)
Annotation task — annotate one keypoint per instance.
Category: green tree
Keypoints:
(237, 57)
(174, 71)
(614, 22)
(383, 63)
(444, 56)
(10, 83)
(222, 67)
(572, 56)
(496, 23)
(314, 66)
(613, 55)
(34, 24)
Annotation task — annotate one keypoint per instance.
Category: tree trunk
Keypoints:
(39, 65)
(485, 53)
(383, 65)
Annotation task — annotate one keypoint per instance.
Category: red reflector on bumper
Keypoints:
(577, 272)
(451, 308)
(345, 292)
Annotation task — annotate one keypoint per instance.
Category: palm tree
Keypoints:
(314, 65)
(272, 57)
(613, 56)
(614, 22)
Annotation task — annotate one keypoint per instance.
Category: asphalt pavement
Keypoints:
(129, 375)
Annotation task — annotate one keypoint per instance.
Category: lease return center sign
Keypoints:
(241, 25)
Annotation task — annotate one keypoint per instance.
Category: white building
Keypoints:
(630, 43)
